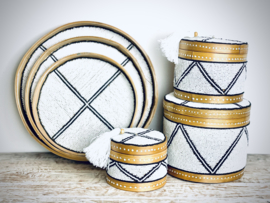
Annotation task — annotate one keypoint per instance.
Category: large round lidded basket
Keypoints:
(206, 142)
(210, 70)
(138, 160)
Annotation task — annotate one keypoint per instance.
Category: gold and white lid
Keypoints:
(213, 49)
(206, 115)
(139, 141)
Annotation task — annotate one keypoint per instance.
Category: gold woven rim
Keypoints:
(136, 187)
(207, 99)
(143, 159)
(213, 47)
(207, 123)
(136, 150)
(206, 113)
(194, 177)
(201, 56)
(38, 128)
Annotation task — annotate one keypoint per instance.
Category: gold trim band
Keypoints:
(201, 56)
(208, 99)
(207, 123)
(213, 47)
(194, 177)
(136, 187)
(206, 113)
(131, 159)
(135, 150)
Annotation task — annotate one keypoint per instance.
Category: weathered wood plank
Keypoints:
(44, 177)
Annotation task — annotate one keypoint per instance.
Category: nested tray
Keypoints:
(79, 97)
(89, 44)
(76, 29)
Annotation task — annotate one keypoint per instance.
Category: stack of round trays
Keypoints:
(80, 80)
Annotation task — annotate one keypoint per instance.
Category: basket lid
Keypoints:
(206, 115)
(213, 49)
(139, 141)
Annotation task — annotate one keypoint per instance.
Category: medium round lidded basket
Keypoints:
(138, 160)
(210, 70)
(206, 142)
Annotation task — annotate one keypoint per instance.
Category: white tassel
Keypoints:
(170, 47)
(98, 151)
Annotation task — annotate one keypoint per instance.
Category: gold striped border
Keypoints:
(207, 123)
(207, 98)
(201, 56)
(213, 47)
(206, 113)
(132, 159)
(136, 150)
(194, 177)
(136, 187)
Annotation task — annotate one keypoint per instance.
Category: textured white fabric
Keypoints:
(98, 48)
(141, 140)
(213, 146)
(220, 73)
(91, 31)
(170, 47)
(58, 105)
(137, 173)
(171, 98)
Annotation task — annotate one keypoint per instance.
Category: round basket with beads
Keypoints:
(210, 70)
(206, 142)
(138, 160)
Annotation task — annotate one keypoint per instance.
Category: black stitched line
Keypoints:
(127, 173)
(234, 79)
(183, 103)
(134, 177)
(65, 81)
(209, 79)
(247, 135)
(133, 135)
(186, 72)
(150, 138)
(173, 135)
(151, 172)
(238, 105)
(100, 117)
(86, 104)
(228, 152)
(42, 48)
(103, 87)
(194, 149)
(73, 118)
(130, 47)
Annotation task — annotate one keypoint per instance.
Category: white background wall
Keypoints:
(22, 23)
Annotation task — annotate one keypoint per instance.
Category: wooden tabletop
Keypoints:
(44, 177)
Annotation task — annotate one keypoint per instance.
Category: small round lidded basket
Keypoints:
(210, 70)
(138, 160)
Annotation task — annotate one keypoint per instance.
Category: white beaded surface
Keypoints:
(58, 104)
(221, 73)
(211, 144)
(139, 173)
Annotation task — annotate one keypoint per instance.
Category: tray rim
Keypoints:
(36, 124)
